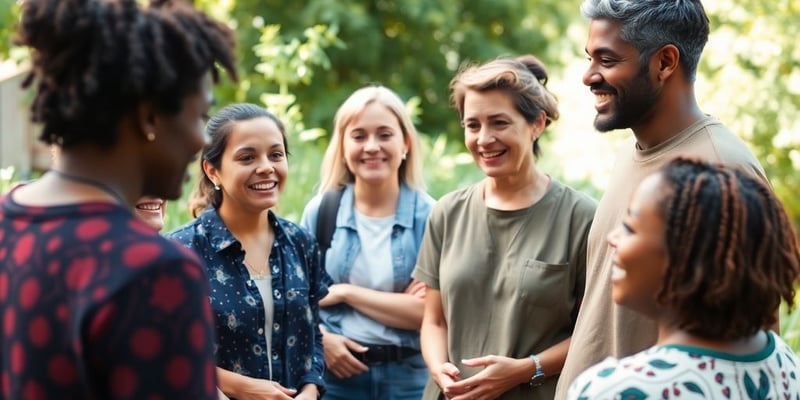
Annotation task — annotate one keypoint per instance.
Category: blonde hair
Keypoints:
(334, 173)
(523, 78)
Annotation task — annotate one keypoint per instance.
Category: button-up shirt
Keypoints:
(298, 283)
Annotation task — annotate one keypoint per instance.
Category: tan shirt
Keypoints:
(508, 279)
(603, 328)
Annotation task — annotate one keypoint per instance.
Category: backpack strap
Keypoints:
(326, 221)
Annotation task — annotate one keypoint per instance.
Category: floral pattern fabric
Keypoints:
(684, 372)
(298, 283)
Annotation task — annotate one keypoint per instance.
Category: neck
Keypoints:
(242, 224)
(676, 111)
(377, 200)
(515, 192)
(741, 346)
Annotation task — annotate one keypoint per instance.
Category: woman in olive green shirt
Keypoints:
(504, 259)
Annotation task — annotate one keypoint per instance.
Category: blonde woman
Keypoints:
(372, 315)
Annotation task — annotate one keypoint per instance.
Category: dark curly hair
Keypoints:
(732, 251)
(95, 60)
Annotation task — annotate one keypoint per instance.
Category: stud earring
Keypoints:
(216, 187)
(151, 136)
(405, 155)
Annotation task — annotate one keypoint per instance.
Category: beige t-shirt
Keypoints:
(508, 279)
(605, 329)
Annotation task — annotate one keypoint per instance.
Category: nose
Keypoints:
(612, 237)
(265, 166)
(591, 76)
(485, 136)
(372, 144)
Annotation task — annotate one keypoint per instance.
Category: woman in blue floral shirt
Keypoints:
(264, 271)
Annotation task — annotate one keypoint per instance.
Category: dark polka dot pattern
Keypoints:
(94, 304)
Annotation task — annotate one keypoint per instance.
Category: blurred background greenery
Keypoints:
(302, 58)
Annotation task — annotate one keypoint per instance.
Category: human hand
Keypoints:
(308, 392)
(338, 358)
(416, 289)
(445, 375)
(496, 378)
(336, 295)
(260, 389)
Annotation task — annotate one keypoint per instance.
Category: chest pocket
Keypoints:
(543, 284)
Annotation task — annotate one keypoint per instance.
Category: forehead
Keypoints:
(374, 113)
(647, 198)
(490, 102)
(604, 36)
(256, 132)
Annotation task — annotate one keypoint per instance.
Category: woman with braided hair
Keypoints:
(707, 252)
(95, 304)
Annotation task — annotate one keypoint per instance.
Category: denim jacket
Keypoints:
(409, 225)
(298, 283)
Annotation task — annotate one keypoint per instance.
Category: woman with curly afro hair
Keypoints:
(95, 303)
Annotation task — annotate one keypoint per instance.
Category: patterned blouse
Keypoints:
(685, 372)
(298, 283)
(96, 304)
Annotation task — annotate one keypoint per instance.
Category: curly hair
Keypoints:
(95, 60)
(524, 79)
(733, 254)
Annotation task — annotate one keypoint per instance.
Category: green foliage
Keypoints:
(754, 85)
(411, 46)
(9, 11)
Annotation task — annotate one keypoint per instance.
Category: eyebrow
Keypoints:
(601, 51)
(493, 116)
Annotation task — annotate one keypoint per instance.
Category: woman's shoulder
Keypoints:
(580, 202)
(458, 196)
(292, 230)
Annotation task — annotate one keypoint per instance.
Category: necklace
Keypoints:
(91, 182)
(256, 274)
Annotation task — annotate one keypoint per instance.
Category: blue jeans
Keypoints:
(398, 380)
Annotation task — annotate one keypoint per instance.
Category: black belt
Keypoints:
(383, 354)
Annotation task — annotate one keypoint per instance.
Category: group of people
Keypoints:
(516, 287)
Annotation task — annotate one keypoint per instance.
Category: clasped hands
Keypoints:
(495, 379)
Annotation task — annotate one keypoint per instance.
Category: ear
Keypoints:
(211, 172)
(146, 121)
(667, 60)
(537, 126)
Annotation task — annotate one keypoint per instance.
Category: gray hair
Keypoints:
(650, 24)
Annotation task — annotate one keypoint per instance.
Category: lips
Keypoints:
(150, 205)
(617, 273)
(492, 154)
(264, 185)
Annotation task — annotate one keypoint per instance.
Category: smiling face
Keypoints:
(624, 94)
(374, 145)
(640, 251)
(497, 135)
(151, 210)
(253, 167)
